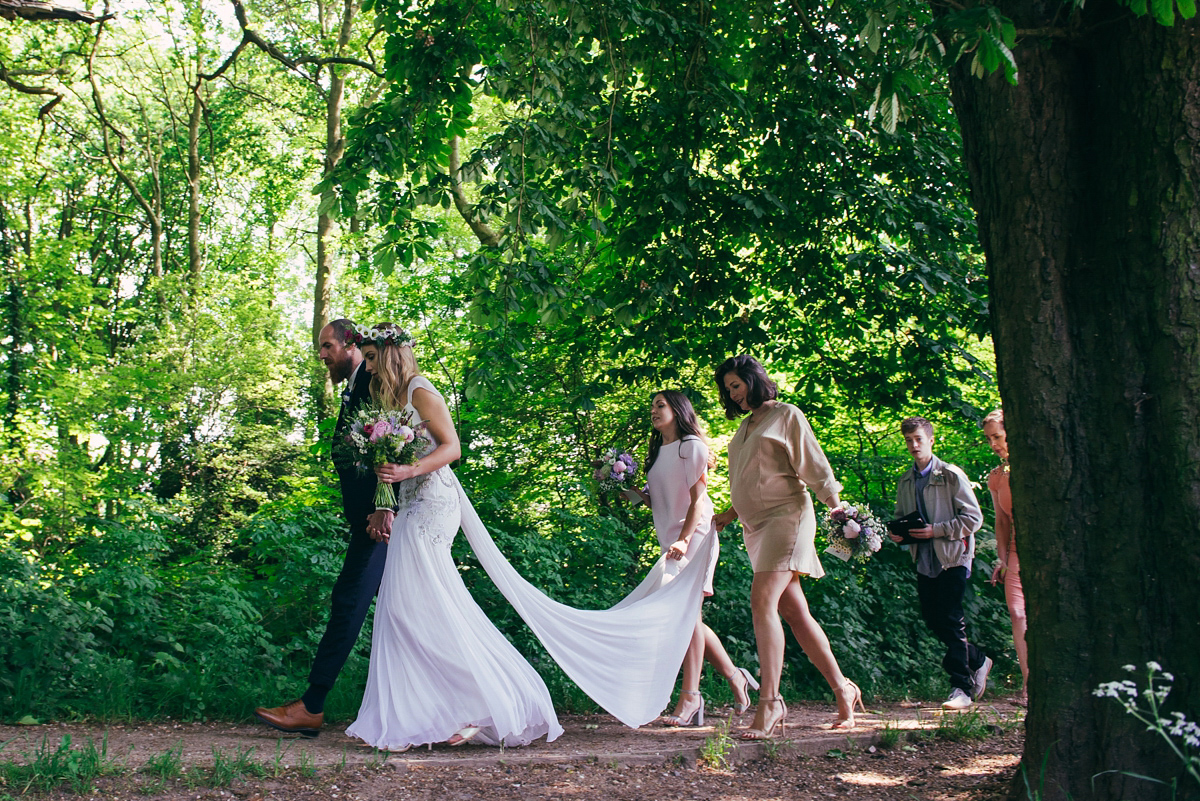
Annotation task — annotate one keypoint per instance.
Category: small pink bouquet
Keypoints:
(614, 471)
(852, 532)
(377, 437)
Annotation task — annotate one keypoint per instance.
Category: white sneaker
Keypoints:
(979, 677)
(957, 700)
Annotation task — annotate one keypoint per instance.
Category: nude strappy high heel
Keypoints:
(463, 735)
(694, 719)
(749, 684)
(767, 732)
(849, 695)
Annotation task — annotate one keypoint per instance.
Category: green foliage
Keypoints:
(657, 173)
(1163, 10)
(230, 767)
(890, 735)
(166, 765)
(715, 750)
(970, 724)
(50, 769)
(668, 184)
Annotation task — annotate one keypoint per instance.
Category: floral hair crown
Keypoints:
(382, 335)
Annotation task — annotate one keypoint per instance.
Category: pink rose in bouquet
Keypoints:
(852, 532)
(614, 471)
(378, 436)
(379, 430)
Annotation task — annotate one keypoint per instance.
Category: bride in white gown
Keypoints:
(440, 671)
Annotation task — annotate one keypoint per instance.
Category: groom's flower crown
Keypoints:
(382, 335)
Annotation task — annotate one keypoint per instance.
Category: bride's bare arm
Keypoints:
(436, 414)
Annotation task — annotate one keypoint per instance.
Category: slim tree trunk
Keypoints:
(195, 268)
(335, 148)
(1085, 180)
(13, 312)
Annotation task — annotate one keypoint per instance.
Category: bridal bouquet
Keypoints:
(614, 471)
(852, 533)
(378, 436)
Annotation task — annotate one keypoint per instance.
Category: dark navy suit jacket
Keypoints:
(358, 488)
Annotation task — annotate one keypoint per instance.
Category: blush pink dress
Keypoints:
(1002, 501)
(679, 466)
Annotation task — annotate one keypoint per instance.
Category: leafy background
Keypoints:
(574, 204)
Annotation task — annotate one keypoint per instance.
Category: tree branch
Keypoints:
(38, 10)
(250, 36)
(482, 231)
(56, 97)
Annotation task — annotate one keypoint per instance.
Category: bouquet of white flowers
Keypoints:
(852, 533)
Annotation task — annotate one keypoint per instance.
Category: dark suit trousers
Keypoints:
(353, 591)
(942, 608)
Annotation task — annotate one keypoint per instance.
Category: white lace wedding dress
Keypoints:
(438, 664)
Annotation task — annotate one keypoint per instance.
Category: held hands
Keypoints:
(379, 525)
(394, 473)
(678, 549)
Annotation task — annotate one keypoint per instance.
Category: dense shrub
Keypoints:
(129, 622)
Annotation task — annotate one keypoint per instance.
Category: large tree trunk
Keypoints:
(1085, 180)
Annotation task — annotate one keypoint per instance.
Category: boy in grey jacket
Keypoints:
(943, 556)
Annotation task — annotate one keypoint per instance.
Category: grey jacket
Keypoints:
(950, 501)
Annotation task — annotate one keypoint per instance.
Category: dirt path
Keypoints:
(596, 758)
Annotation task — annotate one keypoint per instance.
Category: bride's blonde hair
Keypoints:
(395, 365)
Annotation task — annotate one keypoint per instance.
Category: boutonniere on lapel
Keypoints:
(937, 478)
(346, 397)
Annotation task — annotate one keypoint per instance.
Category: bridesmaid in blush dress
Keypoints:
(677, 479)
(774, 459)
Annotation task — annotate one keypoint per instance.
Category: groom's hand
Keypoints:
(379, 525)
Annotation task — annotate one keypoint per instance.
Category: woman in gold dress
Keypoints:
(774, 459)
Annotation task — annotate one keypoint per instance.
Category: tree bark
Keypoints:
(1085, 177)
(13, 313)
(195, 265)
(335, 148)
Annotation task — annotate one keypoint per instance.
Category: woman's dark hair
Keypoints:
(759, 388)
(686, 423)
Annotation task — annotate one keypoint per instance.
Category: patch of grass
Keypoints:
(51, 769)
(230, 767)
(277, 767)
(717, 747)
(961, 726)
(773, 750)
(167, 765)
(890, 735)
(304, 764)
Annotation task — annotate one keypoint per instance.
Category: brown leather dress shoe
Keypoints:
(292, 718)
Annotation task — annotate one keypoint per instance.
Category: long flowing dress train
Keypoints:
(438, 663)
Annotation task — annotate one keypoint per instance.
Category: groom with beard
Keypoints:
(363, 569)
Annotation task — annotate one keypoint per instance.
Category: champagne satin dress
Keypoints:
(772, 465)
